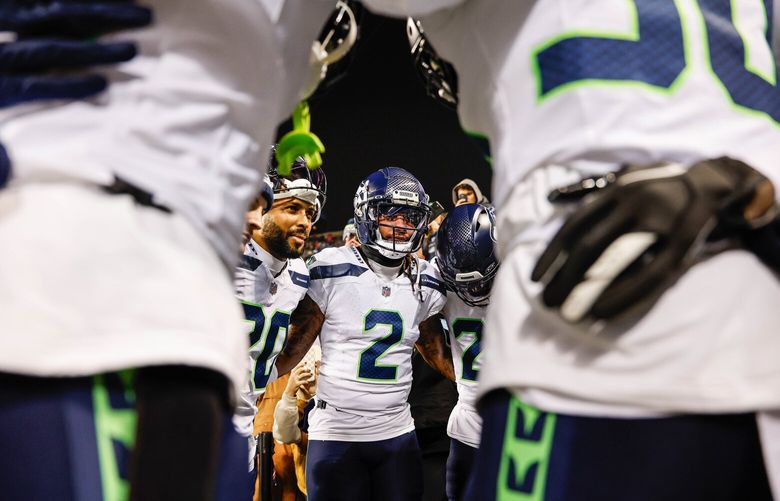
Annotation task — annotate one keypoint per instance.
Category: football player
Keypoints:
(466, 258)
(148, 183)
(270, 281)
(615, 322)
(370, 305)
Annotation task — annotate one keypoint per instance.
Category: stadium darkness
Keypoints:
(378, 114)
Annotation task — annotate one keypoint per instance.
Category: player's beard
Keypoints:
(278, 240)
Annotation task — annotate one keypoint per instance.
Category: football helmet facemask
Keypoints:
(394, 195)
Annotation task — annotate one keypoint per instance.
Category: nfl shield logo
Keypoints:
(386, 291)
(273, 287)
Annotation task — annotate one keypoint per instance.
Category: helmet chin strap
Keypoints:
(376, 255)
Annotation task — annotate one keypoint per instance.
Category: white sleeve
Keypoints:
(406, 8)
(436, 303)
(286, 419)
(317, 291)
(318, 296)
(437, 297)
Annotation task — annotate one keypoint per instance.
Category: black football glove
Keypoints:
(638, 232)
(765, 243)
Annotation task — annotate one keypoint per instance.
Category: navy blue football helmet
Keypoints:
(309, 185)
(466, 252)
(394, 195)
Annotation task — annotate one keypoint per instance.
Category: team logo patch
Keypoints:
(386, 291)
(273, 288)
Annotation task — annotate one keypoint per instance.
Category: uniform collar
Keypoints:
(274, 265)
(386, 273)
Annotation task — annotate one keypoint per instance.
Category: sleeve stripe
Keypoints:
(336, 270)
(250, 263)
(429, 281)
(299, 279)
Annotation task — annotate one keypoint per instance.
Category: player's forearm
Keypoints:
(298, 345)
(440, 360)
(433, 349)
(292, 354)
(305, 325)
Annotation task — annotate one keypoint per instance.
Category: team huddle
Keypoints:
(626, 347)
(368, 306)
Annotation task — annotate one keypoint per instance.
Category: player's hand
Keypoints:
(301, 375)
(629, 239)
(51, 42)
(48, 45)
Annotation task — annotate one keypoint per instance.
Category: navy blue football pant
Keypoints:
(527, 454)
(387, 470)
(146, 434)
(234, 480)
(460, 463)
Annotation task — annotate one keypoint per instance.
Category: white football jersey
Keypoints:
(571, 88)
(466, 324)
(190, 119)
(268, 302)
(553, 81)
(369, 332)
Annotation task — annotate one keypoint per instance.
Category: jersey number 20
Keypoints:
(267, 335)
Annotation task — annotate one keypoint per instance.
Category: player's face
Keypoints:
(397, 227)
(286, 227)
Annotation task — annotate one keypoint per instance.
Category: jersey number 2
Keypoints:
(471, 326)
(368, 368)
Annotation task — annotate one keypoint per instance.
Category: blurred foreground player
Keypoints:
(627, 359)
(142, 191)
(370, 305)
(466, 258)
